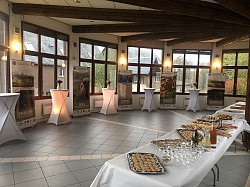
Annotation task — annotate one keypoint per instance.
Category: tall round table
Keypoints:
(8, 126)
(149, 100)
(59, 114)
(108, 104)
(193, 101)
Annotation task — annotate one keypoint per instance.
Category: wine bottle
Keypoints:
(213, 135)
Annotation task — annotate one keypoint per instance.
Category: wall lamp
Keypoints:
(16, 46)
(167, 62)
(123, 59)
(217, 63)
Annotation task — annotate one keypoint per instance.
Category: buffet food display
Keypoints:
(145, 163)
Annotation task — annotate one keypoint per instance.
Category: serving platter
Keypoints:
(145, 163)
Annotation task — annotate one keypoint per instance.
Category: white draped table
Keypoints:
(116, 172)
(149, 100)
(108, 105)
(8, 126)
(59, 114)
(193, 103)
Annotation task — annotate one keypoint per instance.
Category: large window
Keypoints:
(48, 50)
(192, 66)
(235, 66)
(146, 66)
(101, 57)
(4, 83)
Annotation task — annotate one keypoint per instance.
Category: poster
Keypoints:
(125, 101)
(81, 90)
(216, 90)
(168, 90)
(23, 83)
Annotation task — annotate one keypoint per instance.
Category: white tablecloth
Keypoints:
(149, 100)
(116, 172)
(8, 127)
(237, 115)
(193, 103)
(108, 105)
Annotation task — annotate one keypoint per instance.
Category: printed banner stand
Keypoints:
(168, 90)
(81, 87)
(216, 90)
(23, 83)
(125, 101)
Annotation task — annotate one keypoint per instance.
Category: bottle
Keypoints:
(206, 140)
(195, 138)
(213, 135)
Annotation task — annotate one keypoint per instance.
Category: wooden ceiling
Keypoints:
(176, 21)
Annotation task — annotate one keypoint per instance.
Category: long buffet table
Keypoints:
(116, 172)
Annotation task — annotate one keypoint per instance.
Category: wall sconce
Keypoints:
(16, 46)
(123, 59)
(217, 63)
(63, 65)
(4, 58)
(167, 62)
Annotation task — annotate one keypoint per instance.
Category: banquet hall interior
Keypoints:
(89, 86)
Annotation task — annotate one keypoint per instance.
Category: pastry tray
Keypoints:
(167, 142)
(145, 163)
(187, 134)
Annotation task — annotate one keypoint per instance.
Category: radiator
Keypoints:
(186, 101)
(46, 108)
(98, 103)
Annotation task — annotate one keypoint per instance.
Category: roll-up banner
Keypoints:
(215, 91)
(81, 90)
(23, 83)
(125, 101)
(168, 90)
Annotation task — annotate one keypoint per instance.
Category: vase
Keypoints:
(59, 86)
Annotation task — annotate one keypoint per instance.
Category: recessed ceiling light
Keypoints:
(76, 1)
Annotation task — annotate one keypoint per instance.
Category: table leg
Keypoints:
(214, 176)
(218, 172)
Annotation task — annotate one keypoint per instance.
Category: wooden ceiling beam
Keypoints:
(171, 35)
(232, 39)
(143, 16)
(169, 27)
(238, 6)
(189, 8)
(200, 37)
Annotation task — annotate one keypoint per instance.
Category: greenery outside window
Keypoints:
(146, 67)
(48, 49)
(192, 66)
(101, 57)
(235, 66)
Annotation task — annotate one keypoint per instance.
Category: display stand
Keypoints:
(59, 114)
(149, 100)
(8, 126)
(193, 101)
(108, 105)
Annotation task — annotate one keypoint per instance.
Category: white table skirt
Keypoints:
(116, 172)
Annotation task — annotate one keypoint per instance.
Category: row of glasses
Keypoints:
(183, 154)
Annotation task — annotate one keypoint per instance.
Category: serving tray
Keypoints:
(166, 142)
(145, 163)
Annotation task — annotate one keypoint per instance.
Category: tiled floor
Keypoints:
(71, 155)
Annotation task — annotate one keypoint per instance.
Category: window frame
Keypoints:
(235, 68)
(42, 55)
(197, 67)
(151, 66)
(92, 61)
(5, 17)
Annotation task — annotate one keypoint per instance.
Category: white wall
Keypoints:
(15, 21)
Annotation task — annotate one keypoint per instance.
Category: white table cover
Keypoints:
(236, 115)
(108, 105)
(8, 126)
(193, 103)
(116, 172)
(59, 114)
(149, 100)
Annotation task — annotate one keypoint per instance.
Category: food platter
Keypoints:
(166, 142)
(145, 163)
(224, 116)
(187, 134)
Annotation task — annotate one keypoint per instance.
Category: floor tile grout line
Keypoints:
(181, 115)
(124, 124)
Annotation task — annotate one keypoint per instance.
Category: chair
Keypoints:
(246, 139)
